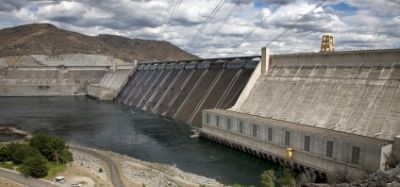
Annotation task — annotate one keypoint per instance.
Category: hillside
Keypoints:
(46, 39)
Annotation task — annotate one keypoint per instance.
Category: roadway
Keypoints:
(27, 181)
(114, 172)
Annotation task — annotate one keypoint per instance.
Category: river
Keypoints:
(125, 130)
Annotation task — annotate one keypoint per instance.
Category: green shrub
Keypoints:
(35, 166)
(287, 178)
(5, 154)
(268, 178)
(12, 147)
(22, 152)
(53, 148)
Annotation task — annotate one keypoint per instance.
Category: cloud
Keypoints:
(10, 5)
(241, 27)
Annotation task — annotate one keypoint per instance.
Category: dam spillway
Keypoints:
(182, 89)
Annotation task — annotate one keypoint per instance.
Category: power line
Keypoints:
(226, 19)
(247, 36)
(293, 24)
(167, 12)
(177, 3)
(208, 20)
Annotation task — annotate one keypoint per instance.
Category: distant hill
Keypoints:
(46, 39)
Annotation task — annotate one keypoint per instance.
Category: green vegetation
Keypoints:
(53, 148)
(287, 178)
(8, 165)
(43, 156)
(35, 166)
(54, 169)
(284, 177)
(268, 178)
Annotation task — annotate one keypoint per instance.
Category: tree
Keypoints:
(53, 148)
(65, 156)
(22, 152)
(41, 142)
(5, 154)
(268, 178)
(287, 178)
(12, 147)
(35, 166)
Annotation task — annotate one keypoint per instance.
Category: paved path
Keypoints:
(28, 181)
(114, 172)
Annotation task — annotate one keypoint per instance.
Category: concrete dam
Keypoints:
(323, 112)
(183, 89)
(332, 112)
(63, 75)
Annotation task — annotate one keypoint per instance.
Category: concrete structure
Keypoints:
(112, 82)
(337, 111)
(327, 43)
(64, 75)
(182, 89)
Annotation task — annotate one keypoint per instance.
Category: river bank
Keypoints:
(134, 172)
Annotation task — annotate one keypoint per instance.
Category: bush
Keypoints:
(268, 178)
(53, 148)
(35, 166)
(287, 178)
(391, 161)
(5, 154)
(22, 152)
(12, 147)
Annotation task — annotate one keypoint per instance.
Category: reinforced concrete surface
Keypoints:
(38, 75)
(182, 89)
(352, 92)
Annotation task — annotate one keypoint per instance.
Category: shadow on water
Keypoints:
(136, 133)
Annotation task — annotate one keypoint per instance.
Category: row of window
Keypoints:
(287, 139)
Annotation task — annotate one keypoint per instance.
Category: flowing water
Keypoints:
(125, 130)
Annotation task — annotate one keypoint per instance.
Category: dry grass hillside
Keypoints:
(46, 39)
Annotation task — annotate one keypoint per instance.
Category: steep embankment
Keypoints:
(46, 39)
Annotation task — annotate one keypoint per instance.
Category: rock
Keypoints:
(393, 184)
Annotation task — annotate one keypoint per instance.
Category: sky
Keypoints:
(218, 28)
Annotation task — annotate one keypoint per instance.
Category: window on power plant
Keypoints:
(207, 118)
(217, 121)
(307, 142)
(254, 130)
(241, 126)
(287, 138)
(228, 123)
(270, 132)
(329, 149)
(355, 156)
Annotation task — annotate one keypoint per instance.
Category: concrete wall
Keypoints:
(371, 149)
(353, 92)
(181, 90)
(112, 82)
(49, 80)
(57, 60)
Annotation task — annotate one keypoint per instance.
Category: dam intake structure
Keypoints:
(182, 89)
(326, 112)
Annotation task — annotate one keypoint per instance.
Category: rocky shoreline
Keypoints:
(135, 172)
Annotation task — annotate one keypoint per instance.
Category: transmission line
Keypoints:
(208, 20)
(293, 24)
(171, 15)
(166, 15)
(226, 19)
